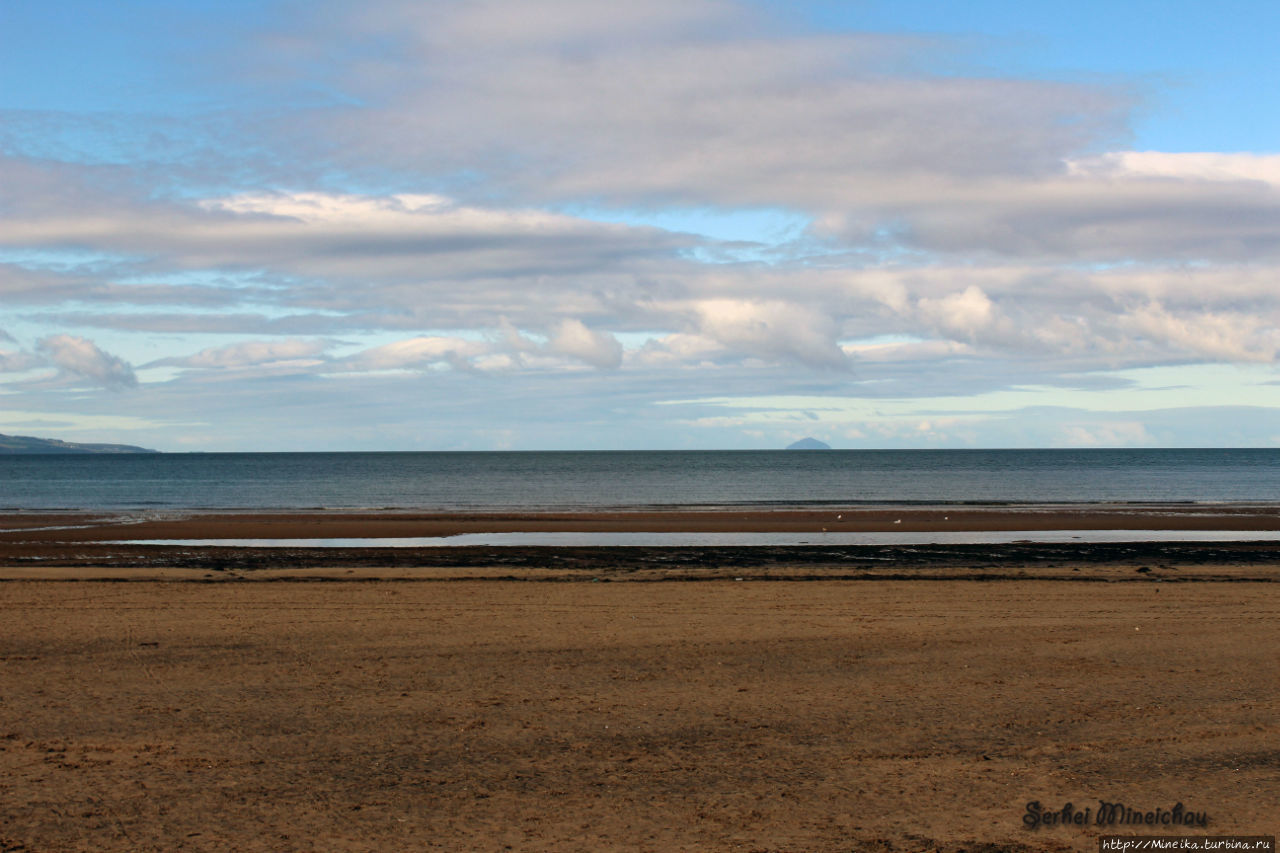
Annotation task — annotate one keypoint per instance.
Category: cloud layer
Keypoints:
(466, 205)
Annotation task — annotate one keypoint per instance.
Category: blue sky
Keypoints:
(1204, 71)
(432, 225)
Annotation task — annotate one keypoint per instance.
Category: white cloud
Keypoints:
(708, 102)
(968, 315)
(1213, 336)
(678, 349)
(274, 353)
(572, 338)
(510, 350)
(82, 358)
(1107, 434)
(772, 329)
(1181, 166)
(419, 353)
(328, 263)
(17, 362)
(317, 234)
(931, 351)
(716, 105)
(1080, 218)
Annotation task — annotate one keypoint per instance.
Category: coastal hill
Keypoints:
(809, 444)
(29, 444)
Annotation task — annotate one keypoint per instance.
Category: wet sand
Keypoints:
(91, 527)
(897, 699)
(81, 546)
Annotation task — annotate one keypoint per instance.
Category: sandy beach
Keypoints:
(841, 707)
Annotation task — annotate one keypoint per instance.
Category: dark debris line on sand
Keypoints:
(1145, 561)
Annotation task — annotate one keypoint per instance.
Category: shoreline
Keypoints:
(80, 546)
(92, 525)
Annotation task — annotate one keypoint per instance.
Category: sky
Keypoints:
(391, 225)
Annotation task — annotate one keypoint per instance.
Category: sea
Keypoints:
(592, 480)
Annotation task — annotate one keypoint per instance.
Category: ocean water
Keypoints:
(587, 480)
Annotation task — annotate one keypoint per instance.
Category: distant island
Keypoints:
(809, 444)
(29, 444)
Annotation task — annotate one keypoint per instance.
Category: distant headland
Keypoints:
(809, 444)
(29, 444)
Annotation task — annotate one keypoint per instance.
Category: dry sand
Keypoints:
(828, 715)
(818, 716)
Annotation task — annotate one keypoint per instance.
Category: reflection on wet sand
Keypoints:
(658, 539)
